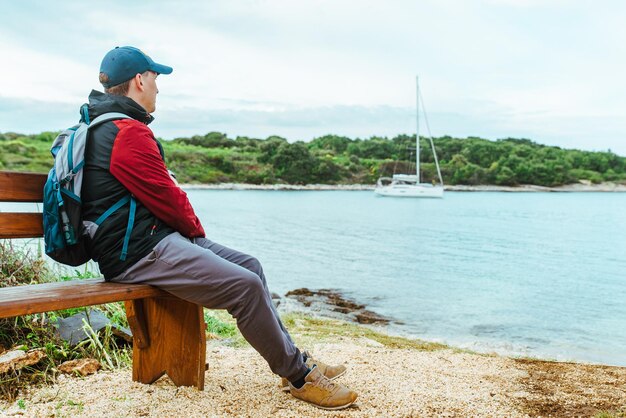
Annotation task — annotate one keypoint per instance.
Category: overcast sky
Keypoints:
(552, 71)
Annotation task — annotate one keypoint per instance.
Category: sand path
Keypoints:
(390, 383)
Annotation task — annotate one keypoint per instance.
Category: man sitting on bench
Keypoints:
(166, 244)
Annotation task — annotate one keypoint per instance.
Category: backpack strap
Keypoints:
(131, 220)
(129, 228)
(84, 112)
(105, 117)
(112, 209)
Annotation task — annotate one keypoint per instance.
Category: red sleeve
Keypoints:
(136, 163)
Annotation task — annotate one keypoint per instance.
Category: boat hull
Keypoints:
(417, 190)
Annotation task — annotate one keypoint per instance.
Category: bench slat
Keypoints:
(25, 300)
(21, 187)
(20, 225)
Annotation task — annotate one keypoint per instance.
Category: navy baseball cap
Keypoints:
(123, 63)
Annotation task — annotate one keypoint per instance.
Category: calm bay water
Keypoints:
(538, 274)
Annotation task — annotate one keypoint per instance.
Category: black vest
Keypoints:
(101, 190)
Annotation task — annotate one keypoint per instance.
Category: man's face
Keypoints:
(150, 90)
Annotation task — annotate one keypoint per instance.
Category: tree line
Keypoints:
(333, 159)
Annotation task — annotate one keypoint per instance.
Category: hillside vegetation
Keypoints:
(332, 159)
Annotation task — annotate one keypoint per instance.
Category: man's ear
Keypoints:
(138, 82)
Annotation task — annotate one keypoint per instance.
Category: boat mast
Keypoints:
(417, 131)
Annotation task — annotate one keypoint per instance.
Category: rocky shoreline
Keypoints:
(329, 303)
(578, 187)
(584, 186)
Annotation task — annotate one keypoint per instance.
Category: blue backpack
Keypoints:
(66, 238)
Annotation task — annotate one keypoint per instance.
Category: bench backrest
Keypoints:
(21, 187)
(23, 300)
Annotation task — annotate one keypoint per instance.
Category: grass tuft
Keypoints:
(19, 265)
(307, 330)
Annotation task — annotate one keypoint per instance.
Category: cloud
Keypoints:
(552, 71)
(30, 116)
(305, 123)
(359, 121)
(39, 75)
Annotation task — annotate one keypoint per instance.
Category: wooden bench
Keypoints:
(168, 332)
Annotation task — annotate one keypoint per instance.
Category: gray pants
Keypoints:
(217, 277)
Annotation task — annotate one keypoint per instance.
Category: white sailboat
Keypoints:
(410, 185)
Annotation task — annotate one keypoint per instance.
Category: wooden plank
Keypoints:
(21, 187)
(20, 225)
(135, 314)
(176, 330)
(37, 298)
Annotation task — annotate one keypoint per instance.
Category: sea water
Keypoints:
(533, 274)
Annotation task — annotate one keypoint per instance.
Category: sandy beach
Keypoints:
(394, 378)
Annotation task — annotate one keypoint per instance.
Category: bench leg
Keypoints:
(169, 336)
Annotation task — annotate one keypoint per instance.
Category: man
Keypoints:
(158, 239)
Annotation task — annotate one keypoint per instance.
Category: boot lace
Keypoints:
(325, 383)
